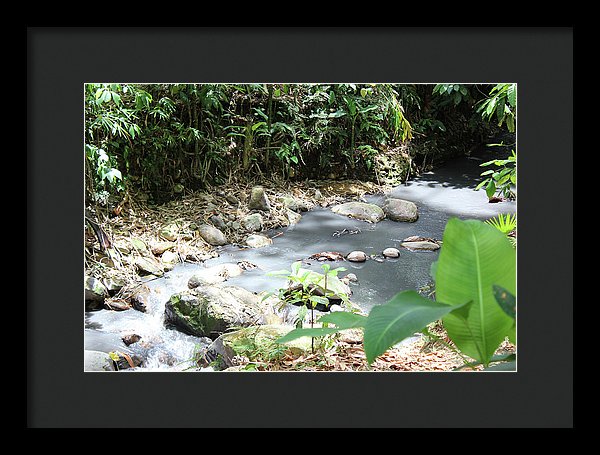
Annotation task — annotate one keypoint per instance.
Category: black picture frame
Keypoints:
(61, 59)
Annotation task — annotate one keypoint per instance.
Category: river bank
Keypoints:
(239, 226)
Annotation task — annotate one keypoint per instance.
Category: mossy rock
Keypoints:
(257, 343)
(210, 311)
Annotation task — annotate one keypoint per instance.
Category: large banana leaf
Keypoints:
(406, 313)
(475, 257)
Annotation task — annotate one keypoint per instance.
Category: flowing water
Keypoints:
(447, 192)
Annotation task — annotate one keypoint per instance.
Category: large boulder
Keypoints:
(360, 211)
(209, 311)
(259, 200)
(253, 222)
(251, 343)
(400, 210)
(212, 235)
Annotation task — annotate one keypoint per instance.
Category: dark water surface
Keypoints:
(439, 195)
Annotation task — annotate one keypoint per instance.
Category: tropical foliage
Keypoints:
(164, 139)
(475, 278)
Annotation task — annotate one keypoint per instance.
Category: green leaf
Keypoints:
(511, 94)
(405, 314)
(433, 269)
(482, 184)
(475, 256)
(316, 299)
(464, 90)
(294, 159)
(99, 92)
(277, 93)
(114, 356)
(490, 189)
(363, 92)
(258, 125)
(105, 96)
(314, 332)
(344, 319)
(116, 98)
(506, 300)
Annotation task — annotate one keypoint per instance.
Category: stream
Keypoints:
(446, 192)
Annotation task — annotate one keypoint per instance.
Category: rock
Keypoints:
(169, 231)
(351, 277)
(212, 235)
(391, 252)
(357, 256)
(232, 200)
(148, 265)
(159, 248)
(116, 304)
(295, 205)
(213, 275)
(125, 362)
(97, 361)
(420, 245)
(113, 285)
(210, 310)
(259, 200)
(130, 339)
(139, 246)
(400, 210)
(293, 217)
(95, 293)
(251, 342)
(360, 211)
(236, 226)
(217, 222)
(140, 298)
(169, 257)
(258, 241)
(318, 195)
(253, 222)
